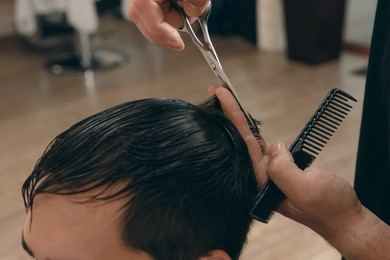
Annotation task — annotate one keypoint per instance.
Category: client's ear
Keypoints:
(216, 255)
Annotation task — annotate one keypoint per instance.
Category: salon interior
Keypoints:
(63, 60)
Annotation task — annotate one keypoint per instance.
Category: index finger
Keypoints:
(157, 22)
(233, 111)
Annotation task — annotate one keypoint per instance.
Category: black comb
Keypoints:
(306, 147)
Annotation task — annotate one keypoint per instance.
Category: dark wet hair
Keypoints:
(184, 170)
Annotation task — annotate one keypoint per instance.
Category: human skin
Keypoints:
(59, 227)
(313, 195)
(328, 204)
(68, 227)
(77, 226)
(316, 198)
(158, 22)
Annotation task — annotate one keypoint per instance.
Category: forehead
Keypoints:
(60, 226)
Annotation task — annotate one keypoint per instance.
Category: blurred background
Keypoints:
(63, 60)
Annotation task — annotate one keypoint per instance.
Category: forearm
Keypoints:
(363, 237)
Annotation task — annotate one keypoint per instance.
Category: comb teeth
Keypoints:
(323, 123)
(306, 147)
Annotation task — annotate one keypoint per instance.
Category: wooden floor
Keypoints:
(36, 105)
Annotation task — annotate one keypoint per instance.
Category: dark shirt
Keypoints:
(372, 182)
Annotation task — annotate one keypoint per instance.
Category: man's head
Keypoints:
(148, 179)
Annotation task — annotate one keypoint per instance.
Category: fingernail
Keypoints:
(176, 46)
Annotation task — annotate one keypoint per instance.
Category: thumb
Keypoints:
(283, 171)
(278, 151)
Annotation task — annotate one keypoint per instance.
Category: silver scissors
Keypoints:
(207, 49)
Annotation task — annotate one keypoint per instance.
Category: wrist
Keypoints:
(360, 236)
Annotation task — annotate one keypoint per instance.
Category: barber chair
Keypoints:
(75, 19)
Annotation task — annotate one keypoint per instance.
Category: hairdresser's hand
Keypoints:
(328, 205)
(315, 196)
(158, 21)
(232, 110)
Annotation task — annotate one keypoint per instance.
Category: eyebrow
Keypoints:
(25, 246)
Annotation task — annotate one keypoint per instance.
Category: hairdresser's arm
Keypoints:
(158, 21)
(328, 205)
(316, 198)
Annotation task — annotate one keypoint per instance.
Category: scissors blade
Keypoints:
(216, 67)
(207, 49)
